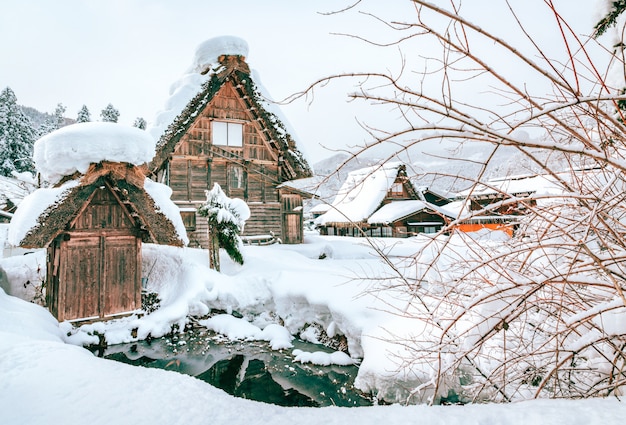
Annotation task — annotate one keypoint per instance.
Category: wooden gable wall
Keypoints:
(196, 164)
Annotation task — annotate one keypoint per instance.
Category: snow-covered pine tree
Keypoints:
(226, 219)
(17, 136)
(615, 9)
(109, 114)
(59, 119)
(53, 122)
(83, 114)
(140, 123)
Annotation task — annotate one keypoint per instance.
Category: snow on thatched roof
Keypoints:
(72, 149)
(81, 158)
(46, 213)
(217, 61)
(361, 194)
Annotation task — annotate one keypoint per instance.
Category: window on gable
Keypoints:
(396, 189)
(227, 133)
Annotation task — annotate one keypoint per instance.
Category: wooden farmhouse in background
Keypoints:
(381, 201)
(93, 239)
(498, 204)
(225, 135)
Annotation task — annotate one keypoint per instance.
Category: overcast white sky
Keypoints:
(129, 52)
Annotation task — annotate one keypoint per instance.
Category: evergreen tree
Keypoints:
(59, 119)
(17, 136)
(140, 123)
(48, 126)
(83, 115)
(617, 8)
(109, 114)
(226, 218)
(53, 122)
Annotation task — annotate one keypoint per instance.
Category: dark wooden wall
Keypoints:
(94, 269)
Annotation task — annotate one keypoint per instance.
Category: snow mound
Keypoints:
(208, 52)
(323, 359)
(73, 148)
(161, 194)
(240, 329)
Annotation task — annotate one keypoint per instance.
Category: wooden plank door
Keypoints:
(79, 279)
(292, 221)
(121, 288)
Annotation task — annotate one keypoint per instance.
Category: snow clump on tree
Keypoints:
(226, 219)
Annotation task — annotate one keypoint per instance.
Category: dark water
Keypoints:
(247, 369)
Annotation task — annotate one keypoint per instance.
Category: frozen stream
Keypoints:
(247, 369)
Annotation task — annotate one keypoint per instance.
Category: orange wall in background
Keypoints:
(475, 227)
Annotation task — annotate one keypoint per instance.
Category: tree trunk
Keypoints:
(214, 249)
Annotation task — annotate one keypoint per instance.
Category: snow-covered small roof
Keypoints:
(309, 186)
(397, 210)
(44, 214)
(319, 208)
(73, 148)
(361, 193)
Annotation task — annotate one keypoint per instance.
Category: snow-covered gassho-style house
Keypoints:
(217, 127)
(92, 220)
(498, 204)
(381, 201)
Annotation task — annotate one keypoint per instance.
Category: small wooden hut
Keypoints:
(93, 237)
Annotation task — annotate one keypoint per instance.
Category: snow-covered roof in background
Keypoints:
(361, 194)
(396, 210)
(513, 185)
(32, 207)
(14, 189)
(73, 148)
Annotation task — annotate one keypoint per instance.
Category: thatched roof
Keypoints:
(123, 182)
(234, 69)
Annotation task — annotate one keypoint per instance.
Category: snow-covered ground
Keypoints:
(46, 377)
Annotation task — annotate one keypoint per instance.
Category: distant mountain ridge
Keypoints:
(38, 118)
(444, 170)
